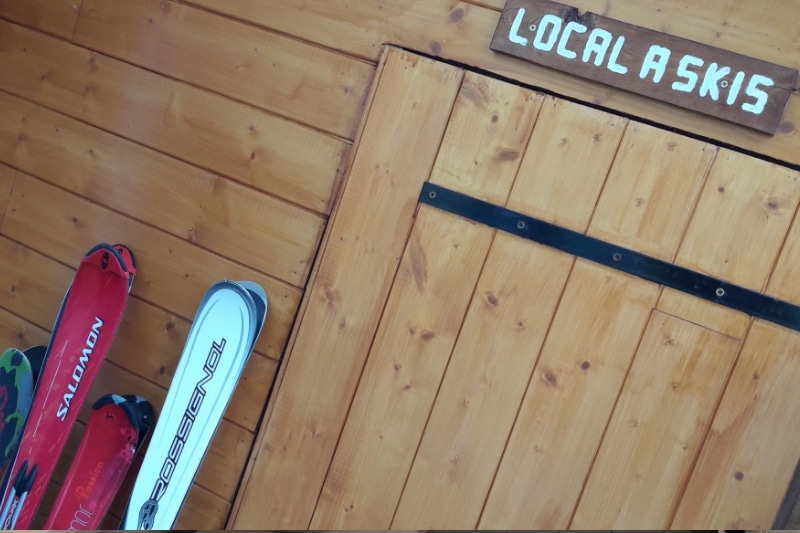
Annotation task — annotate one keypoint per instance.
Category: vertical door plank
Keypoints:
(657, 427)
(555, 182)
(480, 154)
(293, 451)
(485, 381)
(298, 80)
(487, 133)
(741, 219)
(50, 16)
(263, 151)
(651, 190)
(421, 321)
(754, 442)
(566, 408)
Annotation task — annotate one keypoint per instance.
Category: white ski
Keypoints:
(220, 341)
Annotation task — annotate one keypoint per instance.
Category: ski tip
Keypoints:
(259, 296)
(36, 356)
(116, 259)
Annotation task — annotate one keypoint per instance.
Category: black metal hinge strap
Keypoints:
(656, 270)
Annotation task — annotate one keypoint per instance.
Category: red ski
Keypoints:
(117, 427)
(86, 325)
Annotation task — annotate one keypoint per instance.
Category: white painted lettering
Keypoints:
(655, 60)
(551, 23)
(710, 85)
(613, 65)
(513, 33)
(760, 96)
(562, 50)
(736, 86)
(688, 75)
(598, 42)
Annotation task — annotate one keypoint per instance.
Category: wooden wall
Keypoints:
(211, 136)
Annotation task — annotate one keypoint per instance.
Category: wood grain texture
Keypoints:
(657, 428)
(460, 31)
(268, 153)
(488, 130)
(707, 314)
(741, 220)
(484, 385)
(6, 184)
(555, 182)
(216, 213)
(643, 206)
(569, 399)
(486, 136)
(57, 17)
(412, 346)
(296, 80)
(411, 107)
(752, 446)
(172, 273)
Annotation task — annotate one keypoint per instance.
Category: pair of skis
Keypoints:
(221, 339)
(219, 345)
(86, 324)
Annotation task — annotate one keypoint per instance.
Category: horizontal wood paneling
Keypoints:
(216, 213)
(462, 31)
(173, 273)
(268, 153)
(51, 16)
(305, 83)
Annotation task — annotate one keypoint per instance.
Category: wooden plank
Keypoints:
(299, 81)
(680, 71)
(423, 317)
(202, 510)
(57, 17)
(238, 141)
(569, 399)
(704, 313)
(484, 385)
(460, 31)
(149, 341)
(783, 279)
(555, 183)
(17, 332)
(657, 427)
(754, 442)
(489, 127)
(643, 206)
(6, 184)
(214, 212)
(741, 220)
(172, 273)
(412, 106)
(487, 133)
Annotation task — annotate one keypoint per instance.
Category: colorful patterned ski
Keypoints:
(220, 341)
(86, 325)
(116, 429)
(16, 396)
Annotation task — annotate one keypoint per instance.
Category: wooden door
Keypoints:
(447, 375)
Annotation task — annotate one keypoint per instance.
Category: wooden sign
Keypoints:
(695, 76)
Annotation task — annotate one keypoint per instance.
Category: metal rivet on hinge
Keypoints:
(521, 224)
(720, 292)
(432, 195)
(617, 257)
